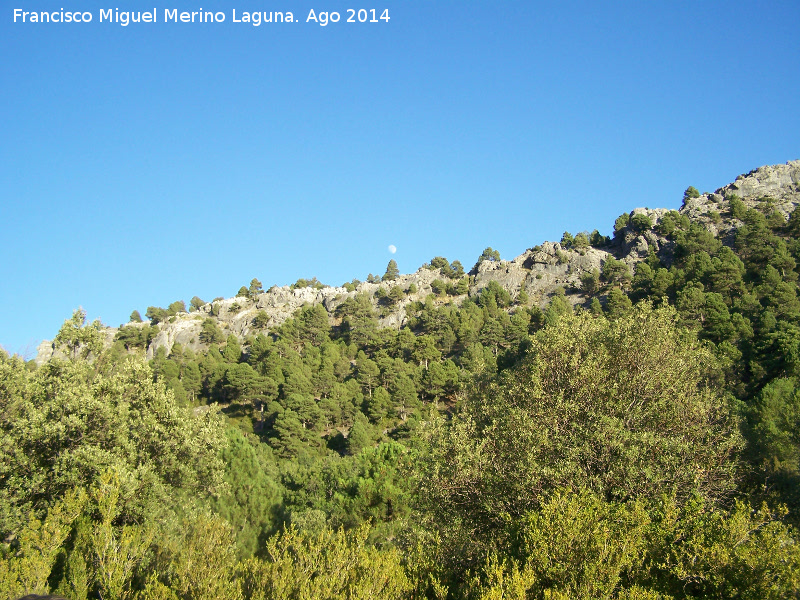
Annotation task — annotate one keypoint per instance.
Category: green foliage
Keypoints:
(616, 272)
(617, 304)
(204, 565)
(156, 314)
(39, 546)
(210, 332)
(558, 307)
(776, 418)
(392, 272)
(136, 336)
(737, 207)
(488, 254)
(590, 281)
(255, 289)
(115, 551)
(581, 241)
(196, 304)
(135, 317)
(312, 283)
(643, 279)
(395, 295)
(612, 400)
(326, 566)
(672, 222)
(78, 338)
(690, 193)
(71, 424)
(581, 546)
(641, 222)
(621, 223)
(176, 307)
(694, 240)
(544, 454)
(702, 551)
(361, 434)
(440, 262)
(494, 294)
(597, 240)
(316, 284)
(359, 323)
(261, 320)
(438, 287)
(453, 270)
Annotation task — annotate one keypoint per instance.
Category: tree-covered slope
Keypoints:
(599, 417)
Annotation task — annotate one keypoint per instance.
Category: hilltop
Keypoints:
(540, 272)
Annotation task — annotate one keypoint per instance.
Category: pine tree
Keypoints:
(392, 272)
(255, 288)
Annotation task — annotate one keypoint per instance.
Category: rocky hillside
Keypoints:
(540, 271)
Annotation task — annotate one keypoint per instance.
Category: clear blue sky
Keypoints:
(145, 164)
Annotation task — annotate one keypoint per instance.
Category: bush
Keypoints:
(590, 281)
(261, 320)
(318, 285)
(737, 207)
(641, 222)
(690, 193)
(616, 392)
(621, 223)
(581, 241)
(326, 565)
(438, 287)
(210, 333)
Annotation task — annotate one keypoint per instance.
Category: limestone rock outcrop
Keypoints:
(539, 271)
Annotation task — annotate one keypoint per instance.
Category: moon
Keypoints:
(392, 248)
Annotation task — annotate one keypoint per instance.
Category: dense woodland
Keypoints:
(642, 444)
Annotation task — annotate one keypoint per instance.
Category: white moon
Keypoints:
(392, 248)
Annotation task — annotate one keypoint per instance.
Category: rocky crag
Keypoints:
(540, 271)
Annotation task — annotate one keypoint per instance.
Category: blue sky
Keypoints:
(145, 164)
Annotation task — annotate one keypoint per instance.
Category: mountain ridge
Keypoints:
(541, 271)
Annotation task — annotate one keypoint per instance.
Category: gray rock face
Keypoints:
(236, 315)
(781, 182)
(44, 352)
(538, 271)
(184, 331)
(777, 185)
